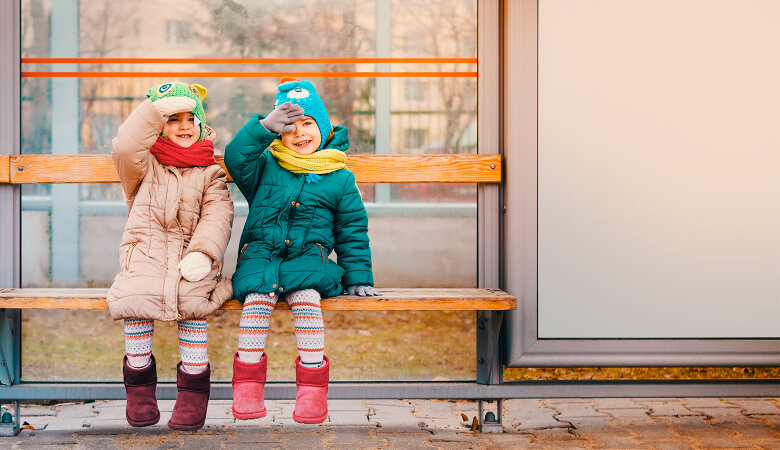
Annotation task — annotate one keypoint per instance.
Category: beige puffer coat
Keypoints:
(173, 211)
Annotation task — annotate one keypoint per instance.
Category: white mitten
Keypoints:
(172, 105)
(195, 266)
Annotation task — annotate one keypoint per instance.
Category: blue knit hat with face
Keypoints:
(303, 94)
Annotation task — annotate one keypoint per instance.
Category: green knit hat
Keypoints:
(179, 89)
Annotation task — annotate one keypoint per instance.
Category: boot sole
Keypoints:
(194, 427)
(310, 420)
(146, 423)
(247, 416)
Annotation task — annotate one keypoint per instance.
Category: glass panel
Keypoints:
(422, 235)
(658, 169)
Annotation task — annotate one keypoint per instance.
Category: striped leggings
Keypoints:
(193, 343)
(307, 318)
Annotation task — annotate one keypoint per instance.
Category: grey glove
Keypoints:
(363, 291)
(282, 118)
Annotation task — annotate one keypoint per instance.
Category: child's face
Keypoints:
(181, 129)
(306, 138)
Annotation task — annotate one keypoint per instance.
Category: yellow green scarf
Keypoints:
(322, 161)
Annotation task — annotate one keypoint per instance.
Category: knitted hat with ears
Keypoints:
(179, 89)
(303, 94)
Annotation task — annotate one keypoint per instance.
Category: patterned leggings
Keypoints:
(307, 317)
(193, 343)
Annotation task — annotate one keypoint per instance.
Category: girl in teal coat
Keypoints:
(303, 204)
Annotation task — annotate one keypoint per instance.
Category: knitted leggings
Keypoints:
(193, 342)
(307, 317)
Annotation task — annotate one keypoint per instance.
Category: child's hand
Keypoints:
(363, 291)
(282, 118)
(195, 266)
(172, 105)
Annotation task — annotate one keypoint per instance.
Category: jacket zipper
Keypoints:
(241, 253)
(129, 255)
(322, 250)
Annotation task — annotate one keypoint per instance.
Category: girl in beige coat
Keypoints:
(178, 226)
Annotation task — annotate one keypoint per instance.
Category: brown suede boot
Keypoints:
(192, 400)
(141, 393)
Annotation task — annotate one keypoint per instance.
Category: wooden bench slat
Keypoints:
(40, 169)
(424, 299)
(5, 168)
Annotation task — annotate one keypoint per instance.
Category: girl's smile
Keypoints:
(181, 129)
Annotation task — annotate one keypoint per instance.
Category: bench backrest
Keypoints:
(42, 169)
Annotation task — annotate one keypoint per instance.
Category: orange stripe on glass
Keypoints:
(248, 60)
(248, 74)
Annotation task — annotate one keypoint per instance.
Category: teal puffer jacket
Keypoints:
(293, 225)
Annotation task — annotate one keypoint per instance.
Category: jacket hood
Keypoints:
(339, 140)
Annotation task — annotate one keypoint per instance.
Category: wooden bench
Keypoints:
(44, 169)
(489, 303)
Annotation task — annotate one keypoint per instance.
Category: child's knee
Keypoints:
(309, 296)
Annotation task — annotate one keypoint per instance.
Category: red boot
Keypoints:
(311, 402)
(248, 384)
(140, 389)
(192, 400)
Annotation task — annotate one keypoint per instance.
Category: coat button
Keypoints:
(293, 203)
(297, 205)
(273, 285)
(281, 289)
(286, 241)
(271, 294)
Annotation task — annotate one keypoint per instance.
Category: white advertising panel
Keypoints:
(659, 169)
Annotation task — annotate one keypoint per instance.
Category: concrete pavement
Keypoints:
(618, 423)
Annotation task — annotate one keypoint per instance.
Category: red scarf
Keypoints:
(199, 154)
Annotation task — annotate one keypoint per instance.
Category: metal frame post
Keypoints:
(382, 107)
(10, 204)
(489, 365)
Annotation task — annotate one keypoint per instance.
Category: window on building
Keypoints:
(414, 138)
(177, 32)
(415, 91)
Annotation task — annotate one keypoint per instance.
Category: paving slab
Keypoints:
(77, 411)
(652, 432)
(615, 440)
(347, 418)
(575, 410)
(434, 425)
(31, 411)
(306, 441)
(500, 441)
(722, 415)
(616, 403)
(403, 441)
(749, 432)
(705, 402)
(672, 445)
(435, 409)
(673, 407)
(56, 437)
(755, 406)
(350, 436)
(629, 415)
(713, 439)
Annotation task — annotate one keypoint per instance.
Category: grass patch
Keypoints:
(60, 345)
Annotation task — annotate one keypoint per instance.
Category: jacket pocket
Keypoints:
(323, 252)
(129, 255)
(241, 252)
